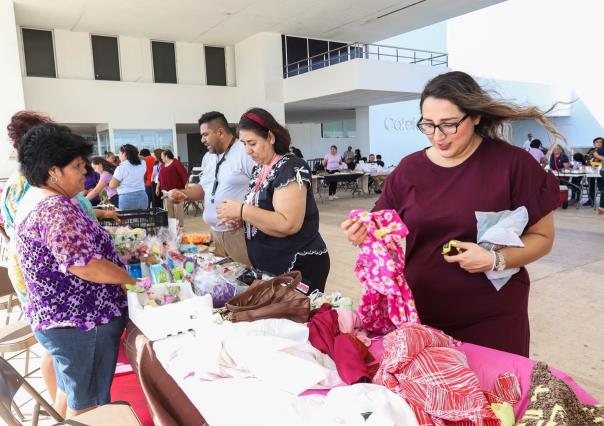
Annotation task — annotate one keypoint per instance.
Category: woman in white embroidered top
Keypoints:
(279, 213)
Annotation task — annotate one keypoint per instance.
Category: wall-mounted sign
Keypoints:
(401, 124)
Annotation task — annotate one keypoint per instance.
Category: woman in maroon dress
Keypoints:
(469, 168)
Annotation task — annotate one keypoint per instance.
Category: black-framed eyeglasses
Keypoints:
(445, 128)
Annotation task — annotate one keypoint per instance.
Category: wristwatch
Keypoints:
(499, 261)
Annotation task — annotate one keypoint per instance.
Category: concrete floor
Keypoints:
(566, 304)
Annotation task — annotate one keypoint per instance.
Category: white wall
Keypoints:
(136, 64)
(393, 132)
(181, 144)
(11, 88)
(73, 53)
(351, 76)
(190, 63)
(307, 138)
(258, 74)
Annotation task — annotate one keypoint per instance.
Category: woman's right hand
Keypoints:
(177, 196)
(356, 232)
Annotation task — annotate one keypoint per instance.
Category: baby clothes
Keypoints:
(386, 301)
(422, 367)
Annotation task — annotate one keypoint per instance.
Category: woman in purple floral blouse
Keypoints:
(75, 303)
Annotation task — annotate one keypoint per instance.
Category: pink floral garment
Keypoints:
(386, 301)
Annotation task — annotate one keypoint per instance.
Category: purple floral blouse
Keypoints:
(55, 236)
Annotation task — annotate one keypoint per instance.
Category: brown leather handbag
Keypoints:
(274, 298)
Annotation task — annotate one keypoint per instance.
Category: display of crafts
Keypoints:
(161, 261)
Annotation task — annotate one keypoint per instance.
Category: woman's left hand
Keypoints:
(228, 210)
(474, 258)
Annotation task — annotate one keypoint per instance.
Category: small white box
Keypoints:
(168, 320)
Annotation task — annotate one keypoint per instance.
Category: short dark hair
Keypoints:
(599, 138)
(215, 118)
(379, 156)
(333, 146)
(168, 154)
(49, 145)
(131, 154)
(263, 122)
(535, 143)
(145, 152)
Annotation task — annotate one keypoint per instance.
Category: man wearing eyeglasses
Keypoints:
(226, 174)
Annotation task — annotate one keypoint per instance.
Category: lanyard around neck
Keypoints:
(218, 164)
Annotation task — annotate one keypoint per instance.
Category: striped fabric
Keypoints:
(422, 367)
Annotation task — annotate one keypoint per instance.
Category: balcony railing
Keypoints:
(365, 51)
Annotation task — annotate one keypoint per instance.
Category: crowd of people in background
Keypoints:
(558, 160)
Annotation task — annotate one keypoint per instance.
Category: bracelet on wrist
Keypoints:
(241, 211)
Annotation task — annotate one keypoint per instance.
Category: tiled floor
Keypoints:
(566, 301)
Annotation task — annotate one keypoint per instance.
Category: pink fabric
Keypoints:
(386, 301)
(349, 322)
(488, 364)
(350, 358)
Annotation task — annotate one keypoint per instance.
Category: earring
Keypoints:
(53, 179)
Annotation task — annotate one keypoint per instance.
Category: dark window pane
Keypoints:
(283, 57)
(318, 47)
(297, 50)
(215, 66)
(164, 62)
(339, 55)
(39, 53)
(106, 58)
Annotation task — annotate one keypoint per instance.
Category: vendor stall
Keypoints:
(273, 353)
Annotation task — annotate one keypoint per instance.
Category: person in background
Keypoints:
(105, 170)
(279, 214)
(558, 159)
(296, 151)
(535, 151)
(348, 158)
(226, 175)
(156, 201)
(598, 156)
(527, 142)
(437, 191)
(149, 163)
(332, 162)
(172, 175)
(75, 303)
(92, 179)
(112, 158)
(378, 160)
(129, 179)
(357, 156)
(593, 182)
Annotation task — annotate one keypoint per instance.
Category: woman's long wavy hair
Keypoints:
(495, 114)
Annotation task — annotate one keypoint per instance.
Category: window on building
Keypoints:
(215, 66)
(339, 129)
(39, 53)
(164, 62)
(297, 50)
(144, 138)
(318, 47)
(340, 54)
(105, 56)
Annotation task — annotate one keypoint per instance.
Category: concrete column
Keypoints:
(11, 84)
(363, 133)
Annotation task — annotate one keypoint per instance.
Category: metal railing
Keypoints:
(365, 51)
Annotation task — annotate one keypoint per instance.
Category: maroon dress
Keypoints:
(438, 204)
